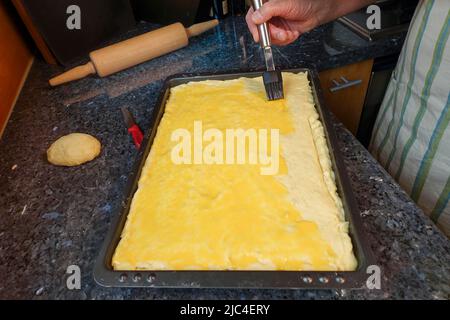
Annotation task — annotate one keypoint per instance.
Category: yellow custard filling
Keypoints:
(230, 216)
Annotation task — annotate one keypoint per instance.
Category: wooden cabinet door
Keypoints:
(15, 61)
(344, 90)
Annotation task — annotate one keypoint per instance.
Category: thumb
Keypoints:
(269, 10)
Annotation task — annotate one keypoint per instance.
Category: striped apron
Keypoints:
(411, 137)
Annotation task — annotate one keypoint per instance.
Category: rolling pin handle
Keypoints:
(136, 50)
(73, 74)
(199, 28)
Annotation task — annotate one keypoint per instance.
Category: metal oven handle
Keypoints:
(345, 84)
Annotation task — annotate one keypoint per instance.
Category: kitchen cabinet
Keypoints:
(15, 62)
(51, 24)
(344, 91)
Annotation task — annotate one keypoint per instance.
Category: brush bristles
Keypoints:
(273, 82)
(274, 91)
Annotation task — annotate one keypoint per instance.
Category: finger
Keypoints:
(278, 35)
(269, 10)
(281, 36)
(278, 30)
(282, 23)
(290, 38)
(251, 25)
(291, 32)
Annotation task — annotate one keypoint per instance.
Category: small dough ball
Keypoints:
(73, 149)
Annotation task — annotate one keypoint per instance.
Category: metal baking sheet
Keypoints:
(106, 276)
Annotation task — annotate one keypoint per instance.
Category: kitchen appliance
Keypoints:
(100, 22)
(131, 52)
(106, 276)
(395, 18)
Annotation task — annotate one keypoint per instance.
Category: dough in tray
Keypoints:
(230, 216)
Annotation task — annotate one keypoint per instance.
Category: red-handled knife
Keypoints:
(133, 128)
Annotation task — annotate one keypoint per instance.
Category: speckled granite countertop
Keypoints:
(53, 217)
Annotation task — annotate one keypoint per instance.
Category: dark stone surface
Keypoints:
(53, 217)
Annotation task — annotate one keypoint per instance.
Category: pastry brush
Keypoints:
(273, 81)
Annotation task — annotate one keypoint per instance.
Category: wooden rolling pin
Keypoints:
(131, 52)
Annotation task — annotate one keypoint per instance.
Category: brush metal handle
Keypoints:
(263, 30)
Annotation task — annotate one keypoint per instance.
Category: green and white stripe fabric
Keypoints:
(411, 138)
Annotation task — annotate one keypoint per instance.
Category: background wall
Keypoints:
(15, 61)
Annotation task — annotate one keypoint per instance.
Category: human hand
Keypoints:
(288, 19)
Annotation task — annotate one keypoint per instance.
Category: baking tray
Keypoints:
(106, 276)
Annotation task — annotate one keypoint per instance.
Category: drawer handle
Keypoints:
(344, 85)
